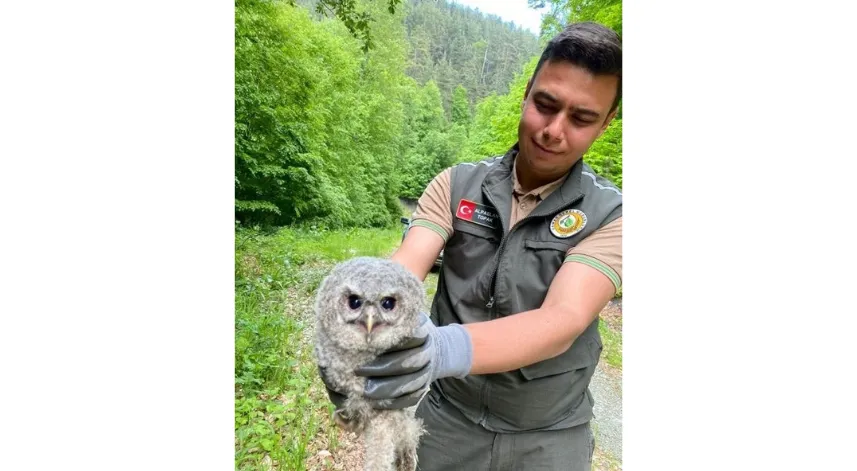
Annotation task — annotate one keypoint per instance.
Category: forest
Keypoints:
(344, 107)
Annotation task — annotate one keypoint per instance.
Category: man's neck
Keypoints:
(529, 181)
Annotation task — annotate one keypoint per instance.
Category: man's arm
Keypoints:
(419, 250)
(576, 296)
(431, 227)
(589, 278)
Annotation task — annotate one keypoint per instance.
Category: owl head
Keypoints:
(369, 303)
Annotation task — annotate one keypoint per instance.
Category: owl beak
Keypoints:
(369, 321)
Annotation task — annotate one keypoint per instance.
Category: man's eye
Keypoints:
(544, 108)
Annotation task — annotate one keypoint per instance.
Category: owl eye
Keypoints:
(354, 301)
(388, 303)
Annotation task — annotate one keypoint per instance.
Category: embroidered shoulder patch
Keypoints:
(568, 223)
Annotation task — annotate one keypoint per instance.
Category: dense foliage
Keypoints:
(456, 46)
(331, 128)
(318, 123)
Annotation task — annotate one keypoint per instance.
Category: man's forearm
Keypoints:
(419, 250)
(522, 339)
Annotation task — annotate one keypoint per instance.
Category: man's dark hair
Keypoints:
(592, 46)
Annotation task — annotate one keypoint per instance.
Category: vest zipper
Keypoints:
(503, 240)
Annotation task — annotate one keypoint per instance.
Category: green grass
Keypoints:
(612, 341)
(430, 284)
(280, 403)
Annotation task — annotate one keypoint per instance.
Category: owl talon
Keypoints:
(347, 422)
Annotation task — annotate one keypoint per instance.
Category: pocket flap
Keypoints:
(475, 230)
(582, 357)
(546, 245)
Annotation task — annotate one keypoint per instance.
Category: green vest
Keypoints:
(489, 272)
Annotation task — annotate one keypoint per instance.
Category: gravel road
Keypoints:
(606, 387)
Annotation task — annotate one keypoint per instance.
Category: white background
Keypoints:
(116, 137)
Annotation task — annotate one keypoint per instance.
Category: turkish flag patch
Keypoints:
(478, 214)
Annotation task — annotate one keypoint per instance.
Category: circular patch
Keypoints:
(568, 223)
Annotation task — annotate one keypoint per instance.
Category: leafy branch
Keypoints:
(356, 22)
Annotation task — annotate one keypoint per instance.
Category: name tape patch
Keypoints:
(478, 214)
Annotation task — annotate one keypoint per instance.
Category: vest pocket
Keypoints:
(544, 259)
(470, 247)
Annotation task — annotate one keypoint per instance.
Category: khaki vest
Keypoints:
(486, 275)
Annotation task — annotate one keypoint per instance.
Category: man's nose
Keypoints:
(553, 130)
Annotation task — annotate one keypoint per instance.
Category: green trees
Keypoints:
(563, 12)
(317, 121)
(428, 148)
(460, 107)
(329, 132)
(455, 45)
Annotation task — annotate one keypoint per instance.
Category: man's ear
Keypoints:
(607, 121)
(526, 92)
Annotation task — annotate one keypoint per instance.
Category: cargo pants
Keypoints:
(452, 442)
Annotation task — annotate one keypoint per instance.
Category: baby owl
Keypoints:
(364, 307)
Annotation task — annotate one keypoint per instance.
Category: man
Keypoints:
(533, 253)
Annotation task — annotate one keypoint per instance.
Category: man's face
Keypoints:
(564, 110)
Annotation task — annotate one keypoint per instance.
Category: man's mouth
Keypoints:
(546, 151)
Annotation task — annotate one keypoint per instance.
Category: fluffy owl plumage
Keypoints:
(365, 306)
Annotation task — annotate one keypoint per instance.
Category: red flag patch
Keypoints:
(466, 209)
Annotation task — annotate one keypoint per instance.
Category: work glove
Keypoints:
(338, 399)
(400, 377)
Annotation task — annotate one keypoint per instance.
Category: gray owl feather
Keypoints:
(365, 306)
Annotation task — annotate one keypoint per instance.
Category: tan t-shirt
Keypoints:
(602, 250)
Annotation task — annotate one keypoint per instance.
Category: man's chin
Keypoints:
(539, 164)
(545, 168)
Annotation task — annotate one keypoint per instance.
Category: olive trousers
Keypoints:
(452, 442)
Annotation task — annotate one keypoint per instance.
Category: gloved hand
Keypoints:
(401, 376)
(406, 400)
(337, 398)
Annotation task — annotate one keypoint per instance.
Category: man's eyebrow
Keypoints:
(545, 96)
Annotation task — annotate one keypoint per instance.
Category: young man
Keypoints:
(533, 252)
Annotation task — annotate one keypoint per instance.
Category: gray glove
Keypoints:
(335, 396)
(338, 399)
(400, 377)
